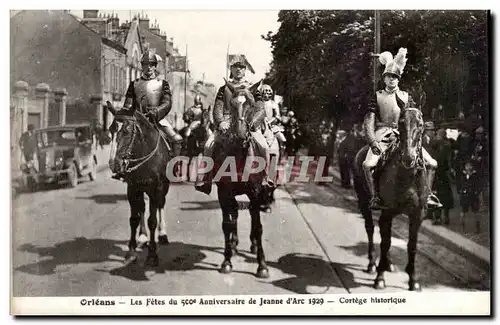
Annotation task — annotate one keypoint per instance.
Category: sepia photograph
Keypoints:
(271, 162)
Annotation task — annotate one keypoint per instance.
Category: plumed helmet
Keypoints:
(394, 65)
(267, 92)
(150, 57)
(197, 100)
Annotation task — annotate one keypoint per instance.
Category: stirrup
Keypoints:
(204, 187)
(433, 201)
(117, 176)
(375, 203)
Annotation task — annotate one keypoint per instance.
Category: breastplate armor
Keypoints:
(148, 92)
(389, 110)
(269, 107)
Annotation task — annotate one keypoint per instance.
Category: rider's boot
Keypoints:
(176, 151)
(204, 181)
(432, 199)
(375, 202)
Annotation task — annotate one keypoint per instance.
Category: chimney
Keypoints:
(90, 13)
(156, 28)
(115, 22)
(144, 22)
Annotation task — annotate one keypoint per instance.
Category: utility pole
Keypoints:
(185, 80)
(377, 50)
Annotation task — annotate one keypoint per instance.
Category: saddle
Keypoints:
(393, 144)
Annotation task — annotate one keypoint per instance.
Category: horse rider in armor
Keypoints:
(381, 124)
(154, 96)
(195, 116)
(273, 117)
(222, 114)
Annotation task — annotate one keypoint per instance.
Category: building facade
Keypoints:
(55, 48)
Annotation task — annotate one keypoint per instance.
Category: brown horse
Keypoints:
(238, 144)
(403, 189)
(140, 154)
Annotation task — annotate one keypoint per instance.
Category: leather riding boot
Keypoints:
(204, 181)
(375, 202)
(432, 199)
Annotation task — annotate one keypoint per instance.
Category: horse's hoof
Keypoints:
(152, 260)
(371, 269)
(163, 240)
(262, 272)
(253, 249)
(391, 268)
(226, 268)
(379, 284)
(131, 257)
(415, 286)
(142, 240)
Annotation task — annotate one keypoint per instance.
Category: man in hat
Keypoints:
(222, 120)
(429, 133)
(153, 95)
(381, 123)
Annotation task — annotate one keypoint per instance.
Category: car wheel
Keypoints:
(73, 176)
(93, 171)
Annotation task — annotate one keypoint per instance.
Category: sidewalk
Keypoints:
(473, 246)
(469, 244)
(102, 157)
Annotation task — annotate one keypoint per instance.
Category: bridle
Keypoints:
(128, 152)
(417, 161)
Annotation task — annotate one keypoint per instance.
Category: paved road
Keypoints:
(72, 242)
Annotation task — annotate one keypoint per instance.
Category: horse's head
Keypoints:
(129, 132)
(411, 126)
(242, 102)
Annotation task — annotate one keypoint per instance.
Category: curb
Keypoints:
(455, 242)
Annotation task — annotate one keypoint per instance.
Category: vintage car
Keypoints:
(66, 153)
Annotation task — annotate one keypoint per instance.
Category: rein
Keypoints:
(418, 160)
(142, 160)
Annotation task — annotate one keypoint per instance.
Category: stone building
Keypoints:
(55, 48)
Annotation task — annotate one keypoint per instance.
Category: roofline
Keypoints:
(113, 44)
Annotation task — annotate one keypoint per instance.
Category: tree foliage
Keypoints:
(322, 63)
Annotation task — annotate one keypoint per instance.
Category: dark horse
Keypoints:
(403, 189)
(239, 144)
(140, 153)
(194, 140)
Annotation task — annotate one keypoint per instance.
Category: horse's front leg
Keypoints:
(385, 225)
(234, 219)
(136, 201)
(152, 258)
(162, 231)
(228, 227)
(369, 228)
(416, 218)
(256, 233)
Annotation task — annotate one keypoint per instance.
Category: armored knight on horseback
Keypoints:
(196, 116)
(381, 123)
(152, 94)
(224, 116)
(272, 126)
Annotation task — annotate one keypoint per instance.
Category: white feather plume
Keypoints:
(400, 58)
(385, 57)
